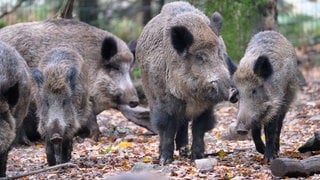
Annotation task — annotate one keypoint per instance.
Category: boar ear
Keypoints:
(232, 67)
(11, 95)
(108, 48)
(181, 38)
(72, 77)
(132, 46)
(37, 76)
(216, 23)
(263, 67)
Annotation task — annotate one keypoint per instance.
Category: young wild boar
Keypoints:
(184, 74)
(267, 83)
(108, 58)
(15, 89)
(62, 101)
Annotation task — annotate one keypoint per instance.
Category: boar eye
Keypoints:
(254, 91)
(200, 56)
(113, 67)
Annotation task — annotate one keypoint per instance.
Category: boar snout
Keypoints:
(130, 98)
(56, 138)
(233, 95)
(241, 129)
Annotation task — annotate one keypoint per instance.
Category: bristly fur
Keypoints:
(267, 82)
(184, 74)
(15, 91)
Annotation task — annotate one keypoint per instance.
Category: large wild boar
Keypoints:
(184, 74)
(15, 96)
(108, 57)
(266, 79)
(63, 104)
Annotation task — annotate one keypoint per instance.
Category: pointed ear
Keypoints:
(11, 95)
(216, 23)
(232, 67)
(132, 46)
(37, 76)
(263, 67)
(181, 38)
(72, 77)
(108, 48)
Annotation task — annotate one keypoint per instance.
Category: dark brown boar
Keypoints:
(267, 82)
(62, 101)
(184, 74)
(108, 57)
(15, 96)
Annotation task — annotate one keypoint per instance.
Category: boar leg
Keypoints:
(272, 132)
(3, 163)
(93, 127)
(202, 124)
(166, 126)
(182, 139)
(66, 150)
(256, 136)
(50, 152)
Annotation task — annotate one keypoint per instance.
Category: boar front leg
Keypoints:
(182, 139)
(3, 163)
(50, 152)
(166, 126)
(202, 124)
(66, 150)
(256, 136)
(272, 132)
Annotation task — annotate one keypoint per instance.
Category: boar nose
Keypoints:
(233, 95)
(134, 102)
(56, 138)
(241, 129)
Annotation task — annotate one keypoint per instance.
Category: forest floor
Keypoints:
(125, 147)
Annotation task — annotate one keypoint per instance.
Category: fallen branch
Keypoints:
(286, 167)
(312, 144)
(138, 115)
(41, 170)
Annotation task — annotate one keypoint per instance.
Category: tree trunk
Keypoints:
(66, 10)
(267, 20)
(146, 8)
(88, 11)
(160, 4)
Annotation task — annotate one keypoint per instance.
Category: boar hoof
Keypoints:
(165, 159)
(197, 155)
(184, 151)
(268, 159)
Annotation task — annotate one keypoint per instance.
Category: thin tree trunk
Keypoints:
(147, 14)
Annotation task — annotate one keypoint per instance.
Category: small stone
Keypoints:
(206, 164)
(315, 118)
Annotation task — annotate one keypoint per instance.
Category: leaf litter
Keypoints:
(126, 148)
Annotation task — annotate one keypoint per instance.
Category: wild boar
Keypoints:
(184, 74)
(266, 80)
(108, 57)
(62, 101)
(15, 96)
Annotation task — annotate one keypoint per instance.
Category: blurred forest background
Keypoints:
(298, 20)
